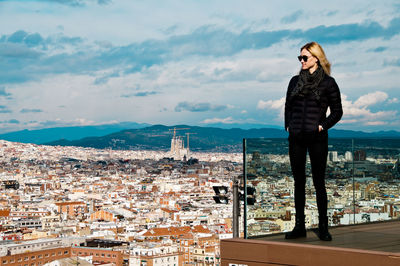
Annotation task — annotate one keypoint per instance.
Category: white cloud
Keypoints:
(348, 121)
(227, 120)
(376, 123)
(84, 122)
(272, 104)
(230, 120)
(371, 99)
(358, 111)
(278, 105)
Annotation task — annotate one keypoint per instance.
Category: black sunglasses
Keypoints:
(304, 57)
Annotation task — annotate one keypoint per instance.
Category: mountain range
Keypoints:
(41, 136)
(158, 137)
(134, 136)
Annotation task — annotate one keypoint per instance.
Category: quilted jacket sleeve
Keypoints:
(335, 106)
(288, 107)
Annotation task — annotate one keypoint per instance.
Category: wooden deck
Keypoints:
(383, 236)
(365, 244)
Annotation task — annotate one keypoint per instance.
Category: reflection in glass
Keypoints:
(362, 181)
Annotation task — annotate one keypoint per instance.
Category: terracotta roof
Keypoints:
(168, 231)
(168, 210)
(181, 232)
(4, 213)
(186, 236)
(201, 229)
(69, 203)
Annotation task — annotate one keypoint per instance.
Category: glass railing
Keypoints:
(362, 182)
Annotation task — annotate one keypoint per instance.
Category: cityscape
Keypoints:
(122, 207)
(151, 133)
(142, 205)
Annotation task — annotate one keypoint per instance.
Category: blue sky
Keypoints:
(90, 62)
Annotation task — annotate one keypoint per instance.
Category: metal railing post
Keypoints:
(244, 180)
(236, 207)
(354, 185)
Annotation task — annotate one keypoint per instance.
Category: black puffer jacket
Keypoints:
(305, 114)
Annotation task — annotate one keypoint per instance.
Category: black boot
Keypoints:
(298, 231)
(323, 232)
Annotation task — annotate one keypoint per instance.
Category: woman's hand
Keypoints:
(320, 128)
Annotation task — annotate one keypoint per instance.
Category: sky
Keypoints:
(205, 63)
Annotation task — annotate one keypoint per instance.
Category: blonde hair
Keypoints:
(316, 50)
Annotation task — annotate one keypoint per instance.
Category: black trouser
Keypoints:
(317, 146)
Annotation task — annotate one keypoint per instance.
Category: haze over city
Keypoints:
(78, 62)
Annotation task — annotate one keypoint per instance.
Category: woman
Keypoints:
(308, 97)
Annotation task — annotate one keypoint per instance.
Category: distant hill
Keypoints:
(339, 133)
(41, 136)
(243, 126)
(158, 137)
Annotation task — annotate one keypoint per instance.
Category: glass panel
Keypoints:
(267, 169)
(339, 181)
(376, 174)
